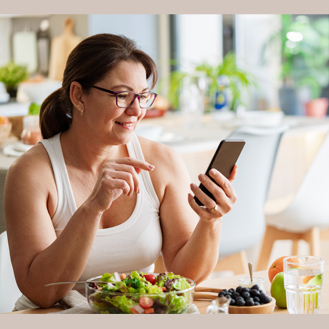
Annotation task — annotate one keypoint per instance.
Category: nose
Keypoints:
(134, 109)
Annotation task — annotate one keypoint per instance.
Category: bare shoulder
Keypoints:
(30, 175)
(34, 162)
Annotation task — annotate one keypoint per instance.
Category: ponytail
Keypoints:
(55, 114)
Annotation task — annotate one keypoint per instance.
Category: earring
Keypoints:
(81, 111)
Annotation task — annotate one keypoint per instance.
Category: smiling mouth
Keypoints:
(125, 124)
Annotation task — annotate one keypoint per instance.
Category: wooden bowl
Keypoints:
(258, 309)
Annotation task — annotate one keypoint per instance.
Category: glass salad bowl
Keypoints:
(140, 293)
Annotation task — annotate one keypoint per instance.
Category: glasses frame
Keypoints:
(128, 91)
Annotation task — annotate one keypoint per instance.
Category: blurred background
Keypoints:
(280, 62)
(216, 73)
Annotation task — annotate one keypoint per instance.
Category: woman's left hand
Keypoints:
(223, 193)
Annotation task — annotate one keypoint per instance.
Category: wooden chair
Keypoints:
(306, 217)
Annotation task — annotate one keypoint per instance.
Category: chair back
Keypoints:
(244, 225)
(310, 206)
(9, 291)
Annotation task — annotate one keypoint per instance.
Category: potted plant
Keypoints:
(304, 50)
(225, 76)
(11, 75)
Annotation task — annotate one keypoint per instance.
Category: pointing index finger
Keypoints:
(137, 164)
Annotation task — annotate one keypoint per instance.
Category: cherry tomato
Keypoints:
(150, 278)
(146, 302)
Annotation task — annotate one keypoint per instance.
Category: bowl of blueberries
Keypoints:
(251, 300)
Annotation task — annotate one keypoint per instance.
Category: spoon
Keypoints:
(250, 271)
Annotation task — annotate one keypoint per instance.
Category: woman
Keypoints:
(92, 197)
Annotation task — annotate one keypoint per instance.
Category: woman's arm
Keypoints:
(190, 245)
(38, 257)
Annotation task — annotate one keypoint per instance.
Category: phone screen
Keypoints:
(223, 160)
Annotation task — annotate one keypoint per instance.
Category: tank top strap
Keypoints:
(64, 191)
(135, 151)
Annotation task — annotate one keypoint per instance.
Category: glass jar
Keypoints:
(31, 133)
(246, 282)
(219, 306)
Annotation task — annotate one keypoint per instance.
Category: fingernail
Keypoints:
(193, 186)
(202, 177)
(213, 171)
(151, 167)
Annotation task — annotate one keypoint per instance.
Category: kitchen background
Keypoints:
(181, 42)
(233, 64)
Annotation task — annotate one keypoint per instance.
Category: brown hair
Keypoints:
(87, 64)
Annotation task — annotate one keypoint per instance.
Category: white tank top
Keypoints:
(133, 245)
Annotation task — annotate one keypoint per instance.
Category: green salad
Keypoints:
(141, 293)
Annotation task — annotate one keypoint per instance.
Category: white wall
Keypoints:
(199, 38)
(143, 29)
(252, 31)
(5, 34)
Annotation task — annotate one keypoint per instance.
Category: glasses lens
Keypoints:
(125, 99)
(146, 100)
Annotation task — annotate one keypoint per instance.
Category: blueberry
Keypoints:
(256, 303)
(250, 302)
(262, 296)
(231, 290)
(254, 292)
(245, 295)
(232, 302)
(235, 295)
(240, 302)
(221, 294)
(244, 290)
(255, 286)
(256, 299)
(224, 291)
(238, 289)
(227, 296)
(266, 300)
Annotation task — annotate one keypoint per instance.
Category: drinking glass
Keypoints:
(303, 278)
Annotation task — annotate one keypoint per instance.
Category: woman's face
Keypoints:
(108, 122)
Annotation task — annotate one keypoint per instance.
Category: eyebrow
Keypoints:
(128, 87)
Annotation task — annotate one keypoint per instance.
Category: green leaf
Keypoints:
(11, 74)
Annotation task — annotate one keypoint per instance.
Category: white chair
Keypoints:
(243, 227)
(9, 291)
(306, 217)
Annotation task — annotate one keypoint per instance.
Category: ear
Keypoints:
(76, 94)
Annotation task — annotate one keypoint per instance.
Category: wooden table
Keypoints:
(225, 282)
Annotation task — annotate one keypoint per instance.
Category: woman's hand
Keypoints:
(117, 177)
(223, 193)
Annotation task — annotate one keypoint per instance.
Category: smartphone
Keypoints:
(224, 159)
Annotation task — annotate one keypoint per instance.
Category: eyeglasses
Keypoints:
(126, 98)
